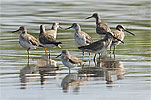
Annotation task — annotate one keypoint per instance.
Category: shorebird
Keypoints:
(69, 60)
(26, 40)
(101, 28)
(53, 32)
(81, 38)
(118, 33)
(99, 46)
(47, 40)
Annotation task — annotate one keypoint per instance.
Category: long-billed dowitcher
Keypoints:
(53, 31)
(26, 40)
(99, 46)
(81, 37)
(101, 28)
(69, 60)
(47, 40)
(118, 33)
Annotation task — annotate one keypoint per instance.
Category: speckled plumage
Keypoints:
(69, 60)
(26, 40)
(101, 28)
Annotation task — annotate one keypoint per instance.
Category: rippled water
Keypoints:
(125, 78)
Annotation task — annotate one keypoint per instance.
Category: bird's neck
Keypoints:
(77, 29)
(108, 40)
(24, 32)
(98, 20)
(42, 30)
(54, 28)
(119, 29)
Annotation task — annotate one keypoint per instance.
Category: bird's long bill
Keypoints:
(129, 32)
(58, 55)
(68, 27)
(15, 31)
(60, 27)
(118, 39)
(89, 17)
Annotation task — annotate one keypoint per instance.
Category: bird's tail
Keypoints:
(83, 47)
(58, 44)
(40, 45)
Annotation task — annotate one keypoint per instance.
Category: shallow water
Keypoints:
(126, 77)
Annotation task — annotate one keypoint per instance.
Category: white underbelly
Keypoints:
(68, 64)
(48, 45)
(26, 45)
(80, 41)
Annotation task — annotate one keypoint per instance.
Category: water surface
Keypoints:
(125, 78)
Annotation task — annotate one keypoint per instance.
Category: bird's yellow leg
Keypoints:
(46, 51)
(49, 53)
(83, 55)
(114, 51)
(89, 58)
(28, 55)
(110, 51)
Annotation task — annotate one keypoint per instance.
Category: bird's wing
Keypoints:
(47, 39)
(32, 40)
(51, 32)
(118, 35)
(104, 27)
(88, 38)
(75, 60)
(93, 46)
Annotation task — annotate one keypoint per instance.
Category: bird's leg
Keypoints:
(82, 66)
(46, 51)
(110, 51)
(89, 58)
(99, 56)
(114, 51)
(94, 59)
(69, 70)
(83, 55)
(49, 53)
(28, 53)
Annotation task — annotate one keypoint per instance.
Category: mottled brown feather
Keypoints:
(74, 60)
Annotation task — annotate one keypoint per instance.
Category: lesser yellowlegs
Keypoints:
(53, 32)
(101, 28)
(69, 60)
(118, 33)
(47, 40)
(81, 37)
(26, 40)
(99, 46)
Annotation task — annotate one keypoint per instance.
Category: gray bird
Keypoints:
(101, 28)
(118, 33)
(26, 40)
(69, 60)
(81, 38)
(47, 39)
(99, 46)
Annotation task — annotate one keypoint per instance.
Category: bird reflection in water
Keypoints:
(47, 67)
(74, 81)
(112, 66)
(44, 67)
(26, 72)
(106, 67)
